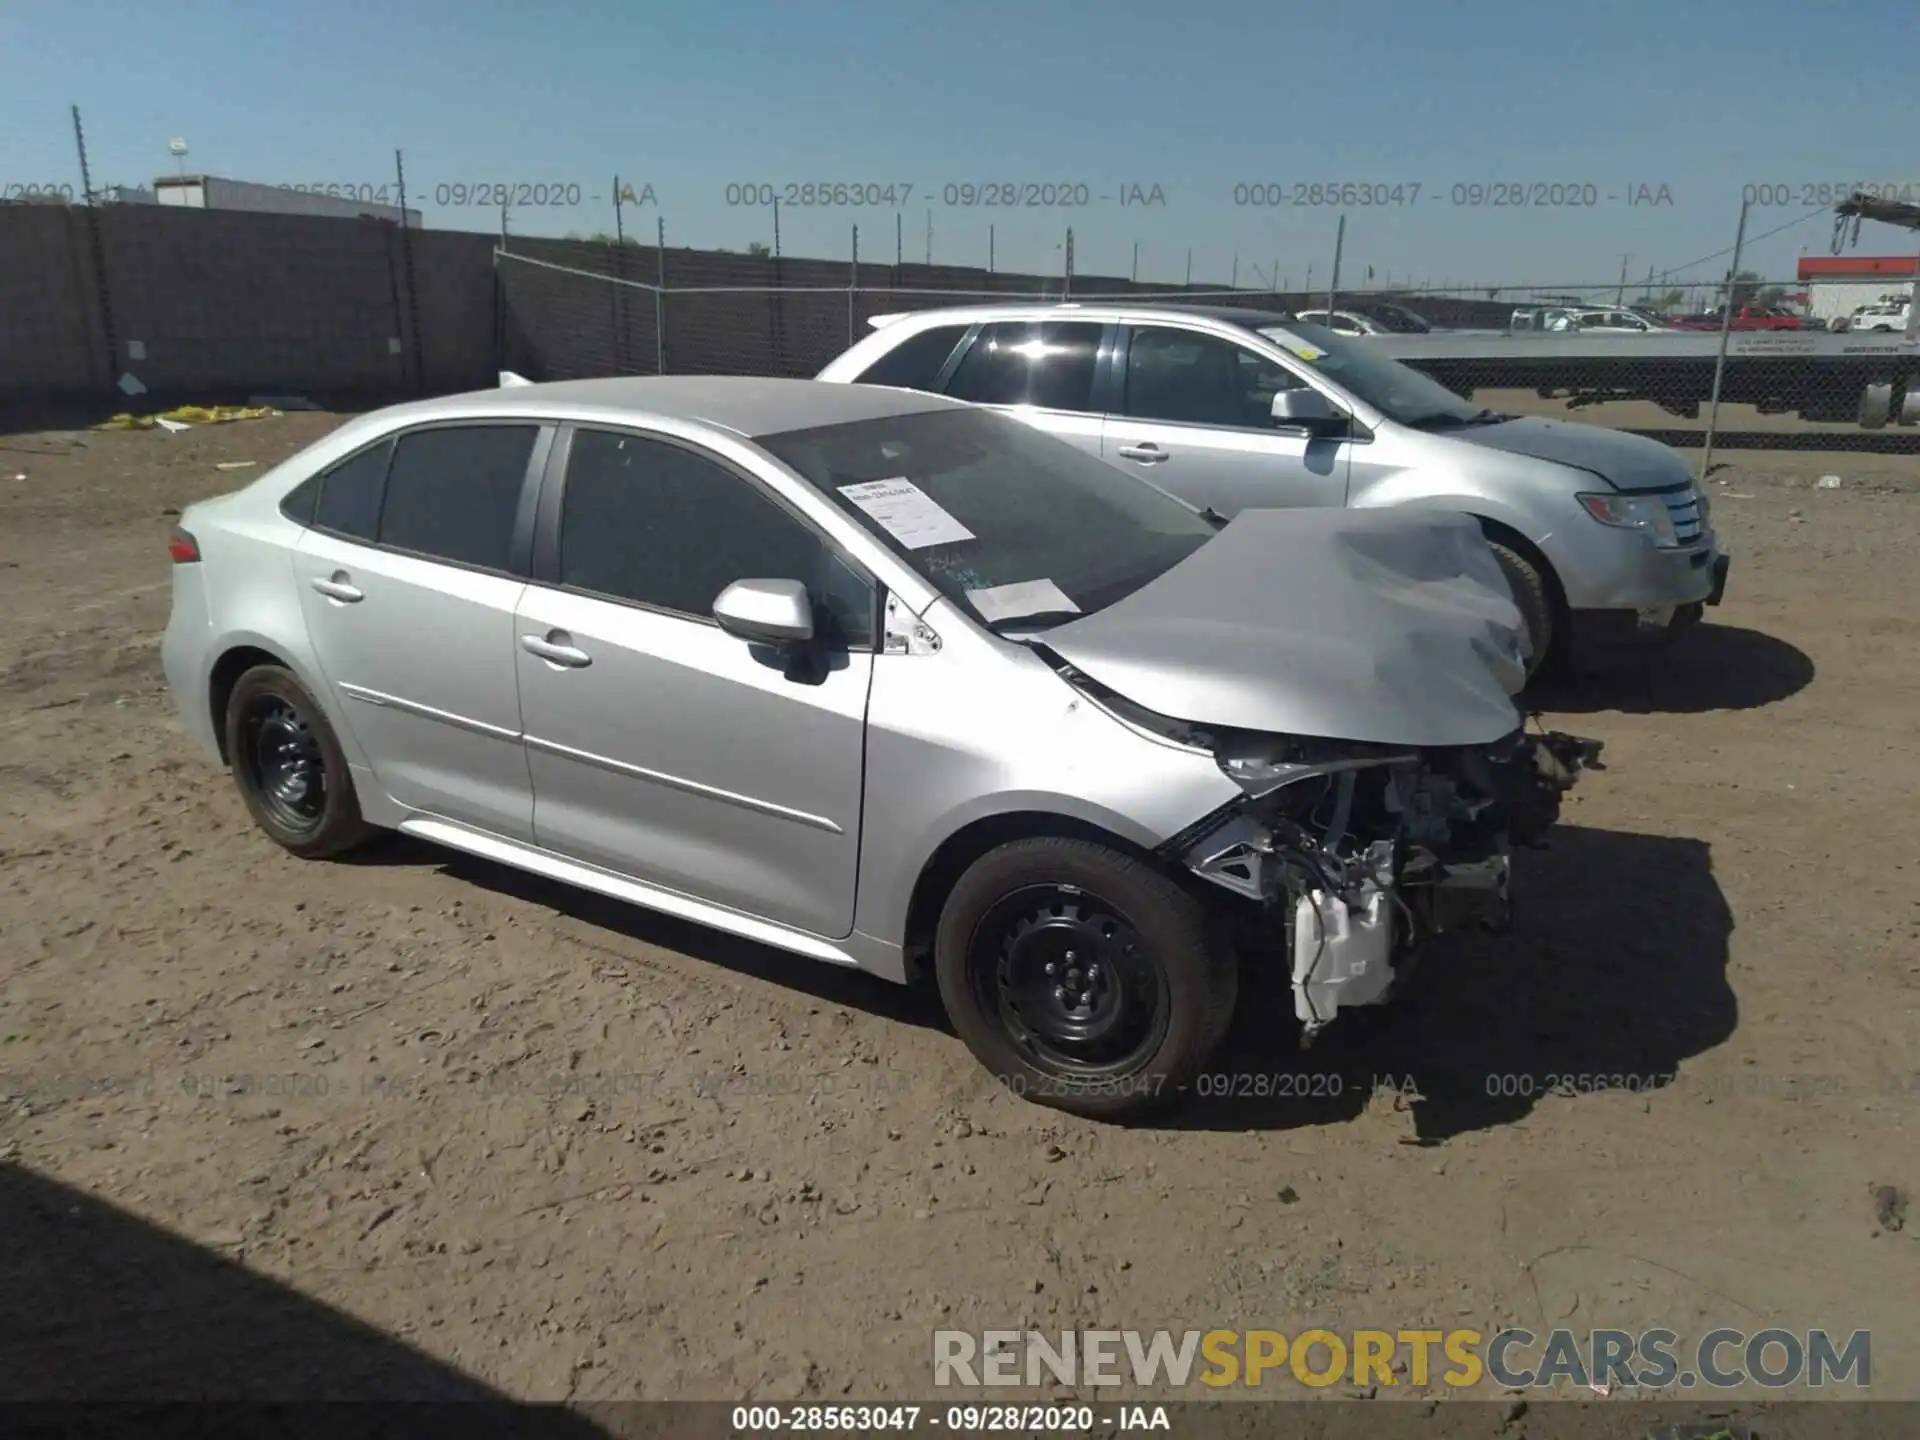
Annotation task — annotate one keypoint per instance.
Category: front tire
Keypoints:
(1082, 978)
(289, 765)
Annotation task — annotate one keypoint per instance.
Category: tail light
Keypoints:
(184, 549)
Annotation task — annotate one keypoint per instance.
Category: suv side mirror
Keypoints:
(766, 612)
(1305, 408)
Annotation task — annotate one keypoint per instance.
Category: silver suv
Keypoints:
(1604, 536)
(873, 676)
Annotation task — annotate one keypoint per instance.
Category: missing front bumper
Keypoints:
(1353, 871)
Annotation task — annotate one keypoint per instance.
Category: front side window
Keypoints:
(453, 492)
(1187, 377)
(1010, 523)
(1019, 363)
(656, 523)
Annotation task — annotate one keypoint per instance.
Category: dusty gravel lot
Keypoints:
(415, 1122)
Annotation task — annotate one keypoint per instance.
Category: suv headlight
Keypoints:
(1633, 512)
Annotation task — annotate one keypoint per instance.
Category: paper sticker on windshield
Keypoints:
(1026, 597)
(1303, 349)
(907, 513)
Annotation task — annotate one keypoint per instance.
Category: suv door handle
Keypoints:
(336, 588)
(555, 653)
(1146, 452)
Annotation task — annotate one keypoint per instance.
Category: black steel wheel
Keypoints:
(1071, 981)
(289, 766)
(1082, 977)
(283, 763)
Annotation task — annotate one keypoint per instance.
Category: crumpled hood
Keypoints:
(1628, 462)
(1393, 627)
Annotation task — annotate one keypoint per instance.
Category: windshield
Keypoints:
(1009, 523)
(1397, 391)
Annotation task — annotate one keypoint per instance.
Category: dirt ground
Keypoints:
(417, 1122)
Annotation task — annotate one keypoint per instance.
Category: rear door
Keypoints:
(661, 747)
(408, 583)
(1196, 418)
(1042, 372)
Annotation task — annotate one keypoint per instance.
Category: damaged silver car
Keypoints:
(881, 679)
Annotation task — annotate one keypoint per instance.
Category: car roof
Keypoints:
(748, 406)
(1245, 316)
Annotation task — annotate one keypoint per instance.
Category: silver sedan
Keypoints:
(886, 681)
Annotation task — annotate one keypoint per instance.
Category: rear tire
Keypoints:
(1530, 593)
(1082, 978)
(289, 765)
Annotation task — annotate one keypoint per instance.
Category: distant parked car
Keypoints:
(1747, 317)
(1344, 322)
(1618, 321)
(1880, 317)
(1379, 317)
(1586, 319)
(878, 678)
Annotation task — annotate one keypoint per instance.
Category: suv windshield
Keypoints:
(1397, 391)
(1009, 523)
(1397, 318)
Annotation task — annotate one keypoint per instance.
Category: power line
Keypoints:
(1797, 220)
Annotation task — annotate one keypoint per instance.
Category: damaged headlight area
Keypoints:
(1352, 856)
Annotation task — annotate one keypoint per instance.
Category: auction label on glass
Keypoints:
(907, 513)
(1025, 597)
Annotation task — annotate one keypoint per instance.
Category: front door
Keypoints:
(1196, 418)
(663, 748)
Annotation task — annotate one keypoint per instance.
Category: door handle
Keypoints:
(1146, 452)
(554, 653)
(336, 588)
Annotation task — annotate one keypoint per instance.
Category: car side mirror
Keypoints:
(1305, 408)
(766, 612)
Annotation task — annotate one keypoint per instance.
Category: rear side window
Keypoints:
(350, 495)
(1050, 366)
(453, 493)
(915, 363)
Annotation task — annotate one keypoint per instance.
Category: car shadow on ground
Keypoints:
(830, 984)
(1613, 974)
(1714, 667)
(98, 1306)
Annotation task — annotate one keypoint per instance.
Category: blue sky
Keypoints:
(1698, 96)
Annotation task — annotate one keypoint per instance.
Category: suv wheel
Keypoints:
(1530, 594)
(289, 765)
(1082, 978)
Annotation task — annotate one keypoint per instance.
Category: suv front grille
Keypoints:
(1685, 508)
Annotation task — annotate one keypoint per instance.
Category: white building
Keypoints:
(210, 192)
(1839, 284)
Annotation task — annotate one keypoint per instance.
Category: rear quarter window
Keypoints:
(351, 494)
(916, 362)
(301, 501)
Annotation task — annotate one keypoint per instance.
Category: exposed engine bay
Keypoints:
(1355, 855)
